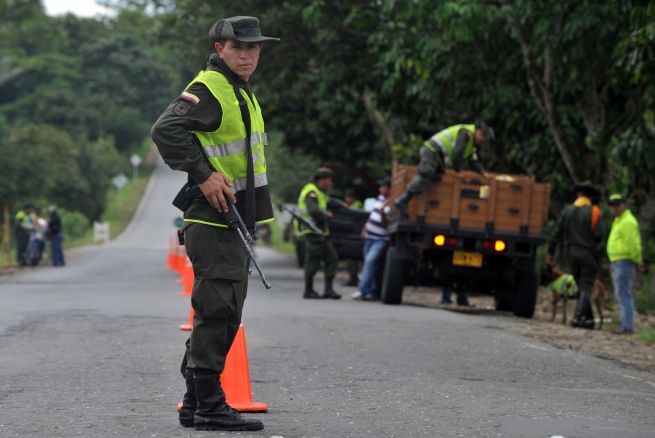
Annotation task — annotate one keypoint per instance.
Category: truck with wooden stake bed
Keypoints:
(469, 231)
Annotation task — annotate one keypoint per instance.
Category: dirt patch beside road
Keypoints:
(600, 343)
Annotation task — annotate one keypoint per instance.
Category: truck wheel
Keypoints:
(300, 253)
(525, 296)
(393, 278)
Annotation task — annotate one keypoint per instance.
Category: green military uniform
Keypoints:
(582, 235)
(312, 203)
(448, 148)
(451, 147)
(201, 132)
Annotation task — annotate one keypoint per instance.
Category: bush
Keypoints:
(644, 297)
(74, 224)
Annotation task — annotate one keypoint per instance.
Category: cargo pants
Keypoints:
(584, 268)
(319, 249)
(430, 168)
(220, 267)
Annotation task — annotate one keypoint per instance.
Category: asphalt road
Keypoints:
(93, 350)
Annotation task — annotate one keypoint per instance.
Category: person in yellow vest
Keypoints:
(450, 148)
(624, 252)
(215, 132)
(23, 227)
(581, 235)
(312, 204)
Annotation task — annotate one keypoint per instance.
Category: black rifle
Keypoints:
(303, 220)
(234, 220)
(191, 192)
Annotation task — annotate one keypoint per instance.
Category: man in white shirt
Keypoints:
(376, 241)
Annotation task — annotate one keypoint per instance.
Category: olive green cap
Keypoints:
(240, 28)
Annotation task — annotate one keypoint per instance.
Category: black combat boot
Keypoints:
(212, 413)
(584, 315)
(309, 289)
(401, 204)
(189, 401)
(329, 291)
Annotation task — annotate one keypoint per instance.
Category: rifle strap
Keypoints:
(250, 166)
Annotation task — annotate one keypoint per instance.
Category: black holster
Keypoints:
(187, 194)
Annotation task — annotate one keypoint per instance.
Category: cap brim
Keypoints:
(255, 39)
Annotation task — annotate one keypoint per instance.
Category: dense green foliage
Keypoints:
(77, 97)
(568, 86)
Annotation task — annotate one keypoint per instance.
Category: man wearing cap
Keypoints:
(451, 147)
(312, 203)
(214, 131)
(581, 234)
(624, 252)
(376, 241)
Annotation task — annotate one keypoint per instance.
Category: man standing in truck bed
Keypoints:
(448, 148)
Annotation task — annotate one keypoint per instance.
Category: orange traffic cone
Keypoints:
(187, 279)
(172, 257)
(189, 325)
(235, 379)
(181, 259)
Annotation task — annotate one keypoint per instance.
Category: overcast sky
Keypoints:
(83, 8)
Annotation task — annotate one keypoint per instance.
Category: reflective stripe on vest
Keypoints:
(322, 200)
(226, 147)
(446, 139)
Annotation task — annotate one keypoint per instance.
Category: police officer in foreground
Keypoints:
(214, 131)
(452, 147)
(581, 233)
(312, 203)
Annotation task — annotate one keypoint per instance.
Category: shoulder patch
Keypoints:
(182, 107)
(190, 97)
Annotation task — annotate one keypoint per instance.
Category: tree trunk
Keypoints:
(378, 119)
(541, 89)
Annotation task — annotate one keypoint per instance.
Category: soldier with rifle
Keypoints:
(214, 131)
(312, 205)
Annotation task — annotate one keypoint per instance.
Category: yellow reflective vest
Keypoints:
(446, 139)
(322, 199)
(226, 147)
(624, 241)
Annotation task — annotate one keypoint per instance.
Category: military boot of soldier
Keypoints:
(212, 412)
(189, 401)
(584, 316)
(310, 293)
(401, 204)
(329, 290)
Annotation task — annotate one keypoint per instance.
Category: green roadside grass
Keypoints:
(120, 204)
(646, 335)
(120, 207)
(277, 240)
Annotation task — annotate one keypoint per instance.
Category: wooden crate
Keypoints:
(468, 200)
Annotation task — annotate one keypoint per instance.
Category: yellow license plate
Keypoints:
(473, 259)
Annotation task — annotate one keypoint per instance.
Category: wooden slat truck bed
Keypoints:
(467, 200)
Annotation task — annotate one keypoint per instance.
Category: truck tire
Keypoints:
(393, 278)
(525, 296)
